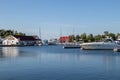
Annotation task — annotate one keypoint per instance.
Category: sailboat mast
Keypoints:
(39, 32)
(60, 32)
(73, 31)
(73, 35)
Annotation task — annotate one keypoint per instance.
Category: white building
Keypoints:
(10, 40)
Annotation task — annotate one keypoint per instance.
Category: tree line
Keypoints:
(93, 38)
(4, 33)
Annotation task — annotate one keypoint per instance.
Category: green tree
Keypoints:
(84, 37)
(112, 35)
(77, 38)
(5, 33)
(106, 33)
(98, 37)
(72, 38)
(90, 38)
(103, 36)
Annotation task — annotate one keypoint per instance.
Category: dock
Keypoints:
(71, 46)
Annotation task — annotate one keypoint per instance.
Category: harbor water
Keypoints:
(56, 63)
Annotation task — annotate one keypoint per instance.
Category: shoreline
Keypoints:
(16, 45)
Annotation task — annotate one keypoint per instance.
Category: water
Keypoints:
(56, 63)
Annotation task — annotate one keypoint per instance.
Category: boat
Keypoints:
(52, 42)
(107, 44)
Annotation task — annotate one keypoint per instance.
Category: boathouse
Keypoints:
(21, 40)
(29, 40)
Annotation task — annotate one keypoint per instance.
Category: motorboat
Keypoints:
(107, 44)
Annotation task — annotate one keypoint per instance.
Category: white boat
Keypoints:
(52, 42)
(107, 44)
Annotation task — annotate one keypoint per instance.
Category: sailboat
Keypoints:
(40, 40)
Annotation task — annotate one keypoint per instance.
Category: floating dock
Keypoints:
(71, 46)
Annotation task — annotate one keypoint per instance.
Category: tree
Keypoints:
(112, 35)
(98, 37)
(72, 38)
(84, 37)
(106, 33)
(103, 36)
(90, 38)
(5, 33)
(77, 38)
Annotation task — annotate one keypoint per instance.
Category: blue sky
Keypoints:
(89, 16)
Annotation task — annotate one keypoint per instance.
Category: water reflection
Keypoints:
(12, 52)
(110, 62)
(9, 52)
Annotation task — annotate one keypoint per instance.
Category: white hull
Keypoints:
(99, 46)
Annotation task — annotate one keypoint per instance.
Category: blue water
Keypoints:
(56, 63)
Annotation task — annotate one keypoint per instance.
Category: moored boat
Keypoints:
(107, 44)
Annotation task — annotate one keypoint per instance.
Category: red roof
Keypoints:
(63, 39)
(27, 38)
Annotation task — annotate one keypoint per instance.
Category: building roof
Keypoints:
(64, 39)
(27, 38)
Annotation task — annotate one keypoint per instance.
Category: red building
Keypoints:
(64, 39)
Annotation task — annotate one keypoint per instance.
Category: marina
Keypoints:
(59, 39)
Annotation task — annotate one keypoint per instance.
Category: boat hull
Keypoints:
(99, 46)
